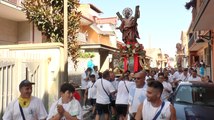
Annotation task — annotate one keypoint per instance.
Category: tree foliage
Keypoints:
(48, 16)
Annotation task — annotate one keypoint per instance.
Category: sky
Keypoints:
(160, 23)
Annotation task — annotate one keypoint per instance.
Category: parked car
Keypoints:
(194, 101)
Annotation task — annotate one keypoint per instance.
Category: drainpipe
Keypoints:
(33, 34)
(210, 58)
(210, 52)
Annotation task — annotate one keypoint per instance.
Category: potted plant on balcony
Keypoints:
(191, 3)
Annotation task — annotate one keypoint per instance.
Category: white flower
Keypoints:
(137, 45)
(128, 46)
(133, 50)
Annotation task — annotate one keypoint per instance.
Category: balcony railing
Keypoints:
(14, 2)
(191, 41)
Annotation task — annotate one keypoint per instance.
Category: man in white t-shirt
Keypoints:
(84, 83)
(122, 98)
(194, 76)
(67, 107)
(185, 75)
(104, 90)
(114, 82)
(92, 93)
(95, 72)
(32, 107)
(176, 77)
(149, 109)
(167, 87)
(137, 94)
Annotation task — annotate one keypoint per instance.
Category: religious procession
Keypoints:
(131, 88)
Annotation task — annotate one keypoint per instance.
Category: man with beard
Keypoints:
(153, 108)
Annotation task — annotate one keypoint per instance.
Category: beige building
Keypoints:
(21, 58)
(200, 35)
(23, 55)
(157, 58)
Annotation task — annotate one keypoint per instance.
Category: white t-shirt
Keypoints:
(73, 107)
(191, 78)
(122, 92)
(147, 77)
(35, 110)
(102, 97)
(165, 94)
(184, 77)
(115, 85)
(177, 75)
(96, 74)
(136, 97)
(156, 76)
(92, 92)
(84, 82)
(170, 77)
(149, 112)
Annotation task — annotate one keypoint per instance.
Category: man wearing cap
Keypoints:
(26, 107)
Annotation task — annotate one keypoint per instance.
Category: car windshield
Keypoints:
(199, 95)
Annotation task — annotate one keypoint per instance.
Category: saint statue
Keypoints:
(130, 34)
(128, 25)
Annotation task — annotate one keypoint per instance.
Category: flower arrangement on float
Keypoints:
(128, 50)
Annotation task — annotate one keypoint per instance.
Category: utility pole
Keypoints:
(65, 77)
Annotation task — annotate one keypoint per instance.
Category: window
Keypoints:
(197, 95)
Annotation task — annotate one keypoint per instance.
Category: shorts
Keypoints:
(113, 103)
(93, 102)
(122, 109)
(102, 108)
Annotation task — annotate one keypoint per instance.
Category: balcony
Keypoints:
(191, 41)
(11, 9)
(192, 45)
(14, 2)
(204, 17)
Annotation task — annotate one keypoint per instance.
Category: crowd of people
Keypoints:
(128, 96)
(137, 95)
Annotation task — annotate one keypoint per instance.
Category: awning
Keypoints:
(11, 11)
(197, 46)
(205, 17)
(98, 46)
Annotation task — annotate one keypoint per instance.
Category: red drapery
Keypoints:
(136, 59)
(136, 63)
(125, 63)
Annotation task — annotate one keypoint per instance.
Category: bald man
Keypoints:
(137, 94)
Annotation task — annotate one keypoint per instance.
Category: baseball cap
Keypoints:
(24, 83)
